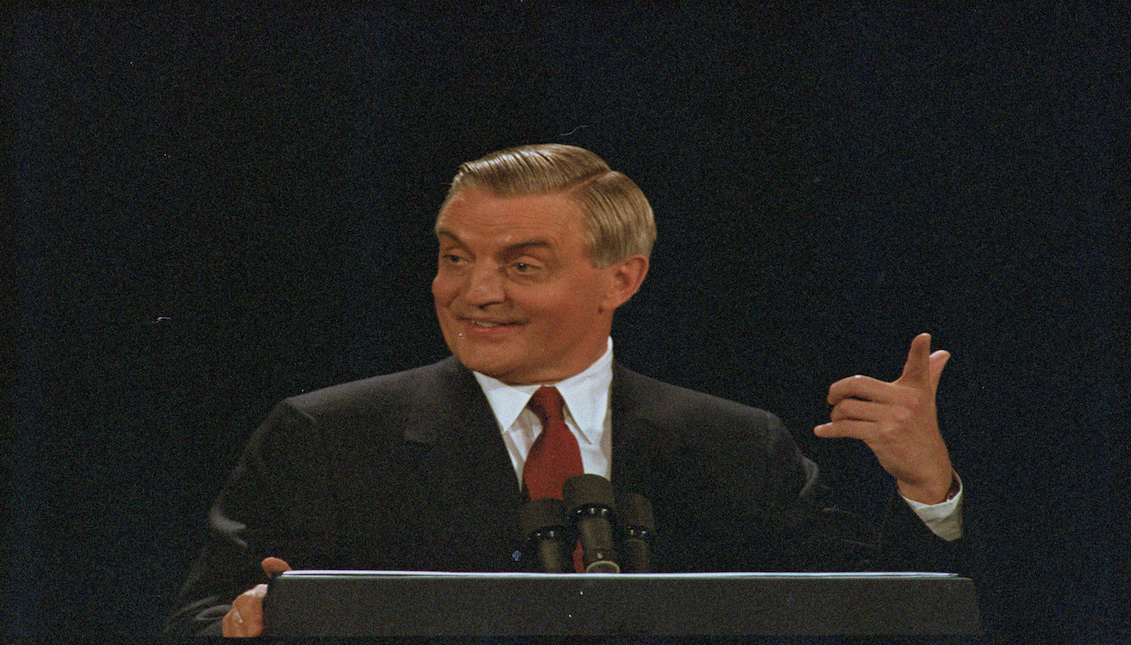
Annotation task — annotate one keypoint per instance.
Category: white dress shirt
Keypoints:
(586, 413)
(588, 416)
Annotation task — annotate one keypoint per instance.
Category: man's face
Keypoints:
(517, 296)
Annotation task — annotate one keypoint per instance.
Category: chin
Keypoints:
(494, 368)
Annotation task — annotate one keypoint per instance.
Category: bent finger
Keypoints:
(861, 387)
(846, 429)
(858, 410)
(248, 610)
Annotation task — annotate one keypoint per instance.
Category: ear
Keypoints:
(625, 278)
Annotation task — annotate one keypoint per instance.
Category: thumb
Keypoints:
(938, 362)
(271, 566)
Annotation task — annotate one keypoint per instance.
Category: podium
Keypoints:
(376, 604)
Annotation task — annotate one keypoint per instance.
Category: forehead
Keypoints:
(478, 215)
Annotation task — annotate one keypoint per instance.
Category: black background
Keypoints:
(216, 208)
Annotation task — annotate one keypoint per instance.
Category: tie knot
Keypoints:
(546, 403)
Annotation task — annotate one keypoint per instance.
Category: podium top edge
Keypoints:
(899, 575)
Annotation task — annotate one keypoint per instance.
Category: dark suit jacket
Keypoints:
(409, 472)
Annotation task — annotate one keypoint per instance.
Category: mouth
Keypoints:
(473, 325)
(486, 324)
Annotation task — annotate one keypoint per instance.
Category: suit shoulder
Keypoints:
(666, 402)
(399, 390)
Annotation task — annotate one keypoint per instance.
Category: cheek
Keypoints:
(565, 312)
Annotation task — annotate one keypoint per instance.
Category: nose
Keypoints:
(484, 286)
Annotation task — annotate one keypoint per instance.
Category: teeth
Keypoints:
(478, 323)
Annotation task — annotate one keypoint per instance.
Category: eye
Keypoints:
(453, 260)
(525, 270)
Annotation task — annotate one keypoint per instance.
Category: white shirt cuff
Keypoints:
(944, 519)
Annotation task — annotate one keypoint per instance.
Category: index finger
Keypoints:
(917, 369)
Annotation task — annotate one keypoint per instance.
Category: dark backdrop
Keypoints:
(214, 209)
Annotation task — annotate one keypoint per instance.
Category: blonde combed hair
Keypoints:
(618, 219)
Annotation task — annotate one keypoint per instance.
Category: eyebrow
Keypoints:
(510, 249)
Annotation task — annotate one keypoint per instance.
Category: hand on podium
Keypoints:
(245, 618)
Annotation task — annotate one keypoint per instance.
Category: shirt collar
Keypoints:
(586, 396)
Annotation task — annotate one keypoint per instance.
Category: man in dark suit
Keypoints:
(428, 469)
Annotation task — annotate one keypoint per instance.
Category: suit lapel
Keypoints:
(476, 489)
(635, 464)
(647, 461)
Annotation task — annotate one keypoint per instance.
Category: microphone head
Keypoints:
(542, 514)
(544, 525)
(635, 513)
(581, 491)
(635, 525)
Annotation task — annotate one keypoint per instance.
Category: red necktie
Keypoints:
(554, 457)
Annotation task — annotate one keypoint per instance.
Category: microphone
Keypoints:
(589, 502)
(637, 527)
(544, 524)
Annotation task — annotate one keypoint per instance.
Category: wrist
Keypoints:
(930, 494)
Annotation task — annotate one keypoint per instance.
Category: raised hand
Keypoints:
(899, 422)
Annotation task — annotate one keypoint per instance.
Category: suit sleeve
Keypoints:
(746, 499)
(813, 534)
(274, 504)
